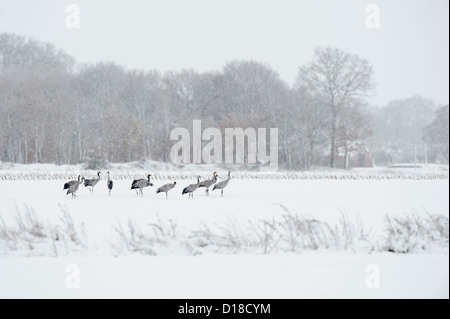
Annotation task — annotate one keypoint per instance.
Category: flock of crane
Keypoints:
(139, 184)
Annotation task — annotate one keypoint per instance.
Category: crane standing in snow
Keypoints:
(166, 188)
(139, 184)
(92, 182)
(191, 188)
(72, 186)
(110, 184)
(208, 183)
(221, 185)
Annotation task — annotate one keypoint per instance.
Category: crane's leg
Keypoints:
(222, 192)
(166, 195)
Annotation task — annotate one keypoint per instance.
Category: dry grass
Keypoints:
(29, 234)
(289, 233)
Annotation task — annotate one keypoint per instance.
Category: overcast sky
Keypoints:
(409, 51)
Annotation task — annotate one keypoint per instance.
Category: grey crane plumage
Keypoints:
(92, 182)
(221, 185)
(110, 184)
(72, 186)
(191, 188)
(208, 183)
(166, 188)
(140, 184)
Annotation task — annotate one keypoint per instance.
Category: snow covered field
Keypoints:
(310, 275)
(231, 247)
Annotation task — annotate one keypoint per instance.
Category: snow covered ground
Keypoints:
(107, 267)
(310, 275)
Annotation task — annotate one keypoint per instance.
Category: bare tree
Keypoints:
(310, 122)
(338, 77)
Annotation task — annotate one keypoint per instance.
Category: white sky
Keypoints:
(409, 52)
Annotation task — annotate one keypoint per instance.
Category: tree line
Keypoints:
(54, 110)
